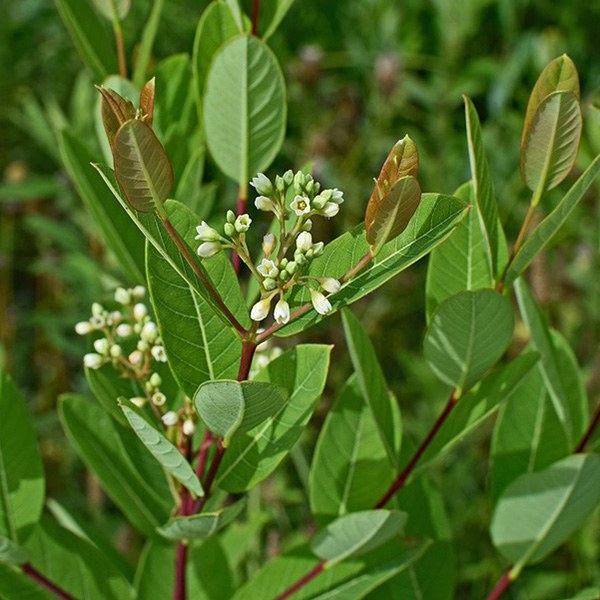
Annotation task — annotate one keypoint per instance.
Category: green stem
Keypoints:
(119, 43)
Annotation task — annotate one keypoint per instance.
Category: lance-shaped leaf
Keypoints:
(551, 143)
(164, 452)
(272, 12)
(227, 407)
(468, 333)
(357, 533)
(113, 8)
(115, 111)
(142, 167)
(539, 511)
(395, 196)
(11, 553)
(202, 526)
(560, 75)
(147, 101)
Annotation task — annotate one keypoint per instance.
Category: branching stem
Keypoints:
(32, 572)
(302, 581)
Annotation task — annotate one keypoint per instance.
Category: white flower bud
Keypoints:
(138, 292)
(300, 205)
(261, 309)
(149, 331)
(242, 223)
(97, 309)
(170, 418)
(329, 284)
(101, 346)
(307, 225)
(142, 345)
(189, 427)
(84, 327)
(115, 351)
(138, 401)
(264, 203)
(114, 317)
(206, 233)
(93, 361)
(122, 296)
(320, 302)
(304, 241)
(155, 380)
(267, 268)
(282, 312)
(262, 184)
(136, 358)
(337, 196)
(124, 330)
(97, 322)
(268, 244)
(330, 210)
(208, 249)
(158, 399)
(158, 354)
(139, 311)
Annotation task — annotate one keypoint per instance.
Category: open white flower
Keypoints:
(242, 223)
(208, 249)
(300, 205)
(158, 354)
(261, 309)
(158, 399)
(320, 302)
(262, 184)
(282, 312)
(267, 268)
(304, 241)
(206, 233)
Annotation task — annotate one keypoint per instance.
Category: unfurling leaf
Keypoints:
(147, 101)
(115, 112)
(395, 197)
(228, 407)
(112, 8)
(142, 167)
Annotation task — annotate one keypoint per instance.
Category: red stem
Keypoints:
(37, 576)
(502, 585)
(403, 476)
(207, 443)
(179, 589)
(302, 581)
(590, 431)
(255, 12)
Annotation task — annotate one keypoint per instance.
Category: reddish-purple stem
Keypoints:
(502, 585)
(179, 589)
(403, 476)
(302, 581)
(240, 210)
(255, 13)
(37, 576)
(206, 445)
(590, 431)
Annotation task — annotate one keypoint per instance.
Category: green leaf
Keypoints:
(15, 585)
(547, 229)
(461, 262)
(199, 347)
(229, 407)
(143, 498)
(540, 511)
(11, 553)
(164, 452)
(142, 167)
(528, 436)
(272, 12)
(144, 50)
(216, 26)
(244, 108)
(558, 366)
(120, 235)
(21, 470)
(254, 455)
(357, 533)
(350, 469)
(91, 35)
(109, 7)
(76, 565)
(434, 220)
(468, 333)
(392, 213)
(107, 385)
(373, 386)
(479, 404)
(551, 143)
(483, 189)
(201, 526)
(560, 75)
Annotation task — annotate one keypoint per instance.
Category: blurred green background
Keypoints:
(360, 75)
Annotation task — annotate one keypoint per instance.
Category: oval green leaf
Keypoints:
(357, 533)
(539, 511)
(468, 333)
(142, 167)
(244, 108)
(164, 452)
(551, 143)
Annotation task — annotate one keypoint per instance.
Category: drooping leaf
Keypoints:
(244, 107)
(539, 511)
(547, 229)
(11, 553)
(199, 347)
(373, 386)
(143, 498)
(350, 470)
(164, 452)
(527, 437)
(551, 143)
(229, 407)
(109, 7)
(432, 223)
(272, 12)
(21, 471)
(142, 167)
(357, 533)
(201, 526)
(461, 262)
(560, 75)
(254, 455)
(468, 333)
(147, 101)
(483, 189)
(91, 35)
(119, 233)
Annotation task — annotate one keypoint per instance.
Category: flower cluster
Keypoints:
(294, 199)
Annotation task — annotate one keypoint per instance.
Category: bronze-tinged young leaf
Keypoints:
(560, 75)
(147, 101)
(551, 142)
(142, 167)
(115, 112)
